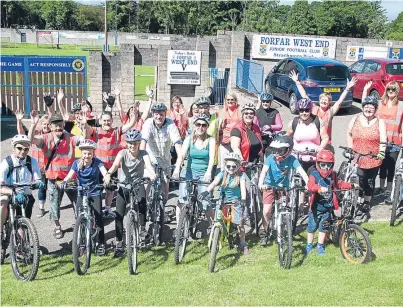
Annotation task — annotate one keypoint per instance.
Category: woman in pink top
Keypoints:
(228, 119)
(325, 111)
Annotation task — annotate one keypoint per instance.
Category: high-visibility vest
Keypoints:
(37, 153)
(393, 119)
(245, 142)
(108, 144)
(63, 158)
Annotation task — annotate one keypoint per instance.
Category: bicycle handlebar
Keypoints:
(32, 186)
(350, 150)
(390, 144)
(193, 181)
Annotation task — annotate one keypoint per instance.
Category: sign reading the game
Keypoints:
(355, 53)
(11, 63)
(184, 67)
(280, 47)
(43, 64)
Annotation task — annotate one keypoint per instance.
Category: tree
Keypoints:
(89, 18)
(299, 20)
(59, 14)
(395, 30)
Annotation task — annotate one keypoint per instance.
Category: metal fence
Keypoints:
(249, 76)
(218, 81)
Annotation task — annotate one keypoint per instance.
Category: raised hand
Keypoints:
(367, 85)
(351, 83)
(117, 91)
(19, 114)
(149, 92)
(132, 113)
(293, 75)
(48, 99)
(60, 94)
(181, 109)
(34, 117)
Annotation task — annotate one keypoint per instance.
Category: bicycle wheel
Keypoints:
(24, 250)
(395, 199)
(215, 246)
(132, 242)
(355, 245)
(285, 244)
(294, 202)
(256, 210)
(81, 245)
(158, 221)
(182, 235)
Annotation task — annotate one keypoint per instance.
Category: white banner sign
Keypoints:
(355, 53)
(280, 47)
(184, 67)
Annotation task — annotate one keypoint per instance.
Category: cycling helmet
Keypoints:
(265, 96)
(20, 139)
(282, 146)
(76, 107)
(232, 157)
(248, 106)
(304, 103)
(87, 144)
(203, 117)
(325, 162)
(203, 100)
(159, 107)
(133, 135)
(370, 100)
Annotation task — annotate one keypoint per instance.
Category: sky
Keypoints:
(392, 7)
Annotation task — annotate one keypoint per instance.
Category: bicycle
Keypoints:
(190, 217)
(84, 233)
(348, 173)
(255, 194)
(133, 242)
(222, 229)
(281, 225)
(397, 187)
(355, 245)
(22, 237)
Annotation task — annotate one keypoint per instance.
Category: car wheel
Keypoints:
(293, 103)
(375, 94)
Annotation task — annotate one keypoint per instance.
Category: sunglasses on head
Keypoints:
(391, 89)
(304, 110)
(231, 166)
(201, 125)
(325, 165)
(22, 148)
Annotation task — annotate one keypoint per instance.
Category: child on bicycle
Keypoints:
(322, 181)
(233, 184)
(88, 170)
(275, 173)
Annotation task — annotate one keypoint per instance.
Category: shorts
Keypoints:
(316, 219)
(237, 213)
(268, 197)
(28, 208)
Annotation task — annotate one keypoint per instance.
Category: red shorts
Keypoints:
(268, 197)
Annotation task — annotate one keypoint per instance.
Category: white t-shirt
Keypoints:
(20, 173)
(160, 140)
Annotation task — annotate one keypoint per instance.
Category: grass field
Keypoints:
(143, 76)
(256, 279)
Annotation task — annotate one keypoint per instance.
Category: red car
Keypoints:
(380, 71)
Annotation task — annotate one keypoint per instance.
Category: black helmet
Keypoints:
(159, 107)
(282, 146)
(370, 100)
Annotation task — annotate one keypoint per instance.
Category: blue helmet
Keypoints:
(133, 135)
(370, 100)
(304, 103)
(265, 96)
(159, 107)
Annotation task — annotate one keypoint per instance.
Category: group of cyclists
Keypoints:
(213, 148)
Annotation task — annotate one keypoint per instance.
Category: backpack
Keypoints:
(10, 163)
(295, 123)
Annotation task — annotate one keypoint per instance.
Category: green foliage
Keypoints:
(395, 30)
(300, 19)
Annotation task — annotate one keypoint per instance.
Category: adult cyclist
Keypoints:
(18, 168)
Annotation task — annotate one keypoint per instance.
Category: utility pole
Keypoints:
(106, 29)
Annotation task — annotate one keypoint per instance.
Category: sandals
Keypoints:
(58, 233)
(41, 213)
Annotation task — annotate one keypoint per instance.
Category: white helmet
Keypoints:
(248, 106)
(231, 156)
(87, 144)
(20, 139)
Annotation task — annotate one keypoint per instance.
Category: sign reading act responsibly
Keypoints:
(184, 67)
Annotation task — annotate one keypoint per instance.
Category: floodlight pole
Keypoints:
(106, 28)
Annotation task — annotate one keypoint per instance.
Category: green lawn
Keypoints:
(143, 76)
(256, 279)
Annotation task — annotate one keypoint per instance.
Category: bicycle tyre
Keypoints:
(294, 195)
(344, 244)
(81, 242)
(158, 223)
(285, 245)
(182, 234)
(215, 246)
(132, 243)
(31, 236)
(396, 199)
(255, 207)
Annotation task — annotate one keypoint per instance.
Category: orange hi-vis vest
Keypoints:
(38, 154)
(63, 158)
(108, 144)
(393, 119)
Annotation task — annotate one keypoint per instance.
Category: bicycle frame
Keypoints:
(398, 171)
(280, 208)
(224, 223)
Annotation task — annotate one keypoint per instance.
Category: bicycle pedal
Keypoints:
(198, 234)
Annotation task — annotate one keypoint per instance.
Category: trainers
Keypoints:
(41, 213)
(118, 252)
(100, 250)
(388, 198)
(379, 191)
(321, 249)
(264, 239)
(109, 214)
(308, 248)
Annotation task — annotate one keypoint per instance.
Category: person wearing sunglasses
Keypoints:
(326, 111)
(391, 111)
(199, 148)
(276, 172)
(18, 168)
(322, 182)
(365, 134)
(308, 132)
(268, 119)
(232, 183)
